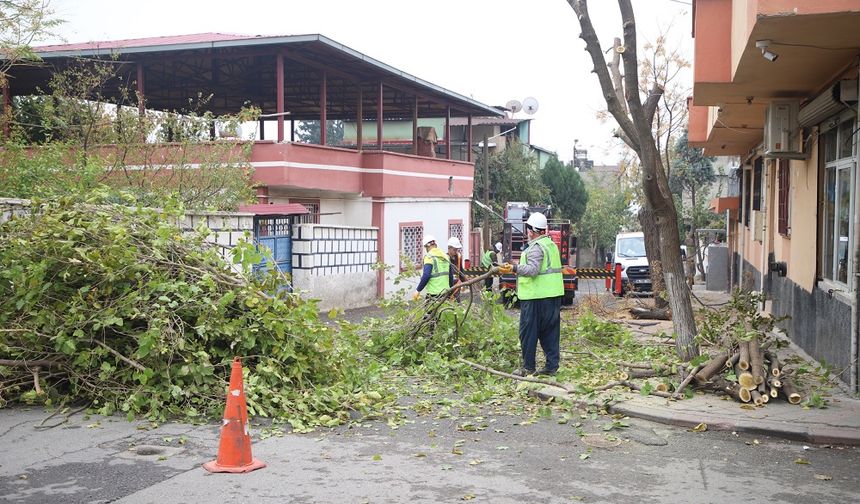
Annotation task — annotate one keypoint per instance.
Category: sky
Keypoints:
(491, 50)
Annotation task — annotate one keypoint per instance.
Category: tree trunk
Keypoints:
(652, 250)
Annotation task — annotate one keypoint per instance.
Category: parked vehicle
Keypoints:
(635, 269)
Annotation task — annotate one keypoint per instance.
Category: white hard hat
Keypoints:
(537, 220)
(427, 239)
(499, 246)
(454, 242)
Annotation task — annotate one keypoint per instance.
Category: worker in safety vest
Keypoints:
(437, 275)
(487, 261)
(540, 289)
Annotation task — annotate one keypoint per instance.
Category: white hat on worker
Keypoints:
(498, 246)
(454, 242)
(537, 220)
(428, 239)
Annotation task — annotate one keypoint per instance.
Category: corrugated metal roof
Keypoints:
(277, 209)
(487, 121)
(194, 38)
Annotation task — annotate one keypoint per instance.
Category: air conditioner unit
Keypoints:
(833, 100)
(781, 134)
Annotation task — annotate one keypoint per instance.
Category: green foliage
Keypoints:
(607, 211)
(739, 320)
(567, 190)
(309, 132)
(514, 176)
(141, 318)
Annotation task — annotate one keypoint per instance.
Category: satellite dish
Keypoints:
(530, 105)
(514, 106)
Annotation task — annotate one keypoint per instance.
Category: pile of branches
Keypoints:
(112, 306)
(742, 364)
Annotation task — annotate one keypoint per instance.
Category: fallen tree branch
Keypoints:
(685, 382)
(28, 363)
(130, 362)
(496, 372)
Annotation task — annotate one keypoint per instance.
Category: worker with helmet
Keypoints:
(540, 289)
(488, 260)
(437, 275)
(455, 257)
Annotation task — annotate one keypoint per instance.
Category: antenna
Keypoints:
(514, 106)
(530, 105)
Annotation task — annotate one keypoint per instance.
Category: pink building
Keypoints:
(308, 78)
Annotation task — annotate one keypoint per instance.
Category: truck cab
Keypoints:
(630, 253)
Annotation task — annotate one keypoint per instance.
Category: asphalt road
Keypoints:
(482, 457)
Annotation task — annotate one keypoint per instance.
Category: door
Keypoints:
(274, 233)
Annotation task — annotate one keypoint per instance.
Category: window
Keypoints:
(455, 228)
(756, 185)
(313, 206)
(784, 181)
(838, 200)
(411, 250)
(747, 197)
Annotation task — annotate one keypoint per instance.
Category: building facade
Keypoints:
(776, 83)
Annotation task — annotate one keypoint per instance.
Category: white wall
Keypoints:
(434, 213)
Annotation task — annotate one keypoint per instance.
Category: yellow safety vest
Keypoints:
(439, 276)
(549, 281)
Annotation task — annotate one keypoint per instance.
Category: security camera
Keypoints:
(769, 55)
(763, 45)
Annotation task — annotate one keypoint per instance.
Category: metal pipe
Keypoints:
(469, 139)
(855, 307)
(379, 115)
(323, 108)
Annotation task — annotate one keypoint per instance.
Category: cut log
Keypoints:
(756, 360)
(773, 364)
(623, 376)
(762, 388)
(745, 378)
(756, 397)
(646, 373)
(774, 392)
(638, 365)
(744, 358)
(765, 398)
(732, 389)
(661, 387)
(650, 313)
(790, 392)
(715, 364)
(774, 382)
(730, 363)
(685, 382)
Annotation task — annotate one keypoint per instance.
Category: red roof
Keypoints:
(195, 38)
(278, 209)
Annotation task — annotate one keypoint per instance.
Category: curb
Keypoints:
(792, 431)
(823, 435)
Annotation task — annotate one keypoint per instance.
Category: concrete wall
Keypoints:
(334, 264)
(434, 214)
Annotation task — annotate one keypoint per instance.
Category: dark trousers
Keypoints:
(540, 320)
(488, 283)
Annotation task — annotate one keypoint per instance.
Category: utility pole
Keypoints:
(486, 224)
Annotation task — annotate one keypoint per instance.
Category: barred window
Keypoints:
(313, 206)
(411, 234)
(784, 180)
(455, 228)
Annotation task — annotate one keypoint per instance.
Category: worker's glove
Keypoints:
(416, 296)
(506, 268)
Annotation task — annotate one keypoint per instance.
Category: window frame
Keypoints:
(311, 204)
(419, 253)
(784, 197)
(835, 168)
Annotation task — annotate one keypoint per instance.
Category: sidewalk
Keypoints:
(838, 423)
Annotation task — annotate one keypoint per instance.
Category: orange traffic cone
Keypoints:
(234, 453)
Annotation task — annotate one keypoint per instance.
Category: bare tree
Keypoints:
(635, 119)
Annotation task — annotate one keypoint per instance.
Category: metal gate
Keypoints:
(274, 233)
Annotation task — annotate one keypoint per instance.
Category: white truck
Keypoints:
(630, 253)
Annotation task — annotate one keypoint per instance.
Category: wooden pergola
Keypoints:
(295, 78)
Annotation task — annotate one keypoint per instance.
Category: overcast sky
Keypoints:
(491, 50)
